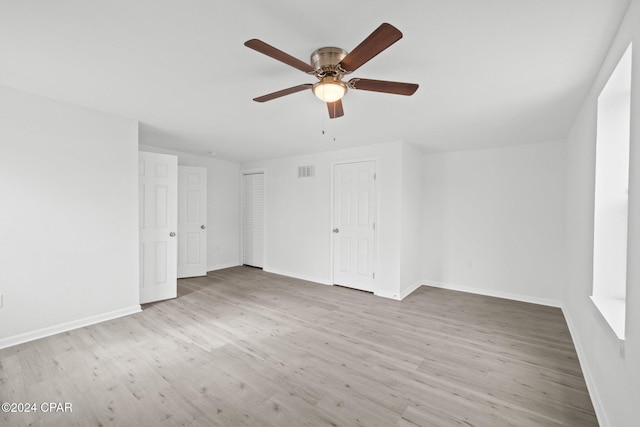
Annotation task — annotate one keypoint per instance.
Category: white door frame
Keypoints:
(376, 214)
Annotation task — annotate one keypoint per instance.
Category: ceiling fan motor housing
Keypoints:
(325, 60)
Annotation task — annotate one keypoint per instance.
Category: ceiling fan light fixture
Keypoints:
(330, 89)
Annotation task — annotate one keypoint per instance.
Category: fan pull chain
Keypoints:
(333, 139)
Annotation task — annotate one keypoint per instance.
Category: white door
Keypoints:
(253, 219)
(192, 217)
(158, 212)
(354, 225)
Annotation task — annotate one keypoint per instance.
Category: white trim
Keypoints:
(67, 326)
(497, 294)
(411, 289)
(252, 171)
(402, 295)
(612, 311)
(357, 160)
(586, 372)
(386, 294)
(298, 276)
(223, 266)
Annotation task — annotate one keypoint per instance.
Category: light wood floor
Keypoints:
(244, 347)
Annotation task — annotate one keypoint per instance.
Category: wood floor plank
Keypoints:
(241, 347)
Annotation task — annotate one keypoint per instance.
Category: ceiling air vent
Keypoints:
(306, 171)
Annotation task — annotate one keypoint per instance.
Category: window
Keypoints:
(612, 196)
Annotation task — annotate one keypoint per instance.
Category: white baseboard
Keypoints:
(402, 295)
(410, 290)
(588, 378)
(67, 326)
(497, 294)
(389, 295)
(299, 276)
(222, 266)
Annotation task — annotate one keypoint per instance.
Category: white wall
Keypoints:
(223, 206)
(68, 216)
(411, 191)
(494, 221)
(611, 368)
(298, 215)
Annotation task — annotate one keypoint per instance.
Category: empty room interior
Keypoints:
(286, 213)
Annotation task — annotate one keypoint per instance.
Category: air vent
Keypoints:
(306, 171)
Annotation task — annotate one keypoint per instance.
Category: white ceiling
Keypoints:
(491, 73)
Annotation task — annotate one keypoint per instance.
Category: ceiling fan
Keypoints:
(331, 64)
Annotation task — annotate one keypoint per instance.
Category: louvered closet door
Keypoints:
(253, 219)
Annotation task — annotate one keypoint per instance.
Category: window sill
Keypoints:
(613, 311)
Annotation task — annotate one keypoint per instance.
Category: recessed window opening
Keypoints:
(612, 196)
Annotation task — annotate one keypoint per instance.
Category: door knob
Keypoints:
(336, 230)
(172, 234)
(203, 227)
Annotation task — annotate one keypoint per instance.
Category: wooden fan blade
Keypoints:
(396, 88)
(266, 49)
(335, 109)
(383, 37)
(283, 92)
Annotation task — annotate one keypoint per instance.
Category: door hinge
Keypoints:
(374, 225)
(374, 275)
(375, 176)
